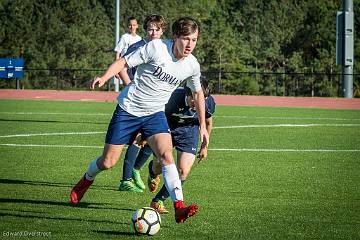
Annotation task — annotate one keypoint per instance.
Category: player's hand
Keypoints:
(202, 154)
(204, 138)
(98, 81)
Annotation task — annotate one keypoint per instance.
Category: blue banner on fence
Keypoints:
(11, 67)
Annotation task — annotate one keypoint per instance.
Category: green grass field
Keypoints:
(272, 173)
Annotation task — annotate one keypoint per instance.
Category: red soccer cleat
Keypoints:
(182, 212)
(79, 190)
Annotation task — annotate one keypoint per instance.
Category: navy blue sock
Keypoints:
(163, 194)
(142, 157)
(151, 172)
(129, 161)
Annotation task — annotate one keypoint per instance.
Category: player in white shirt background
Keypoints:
(127, 39)
(162, 65)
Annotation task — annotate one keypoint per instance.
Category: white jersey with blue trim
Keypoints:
(158, 74)
(132, 48)
(125, 41)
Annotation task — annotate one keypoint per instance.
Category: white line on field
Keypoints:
(211, 149)
(50, 134)
(281, 150)
(289, 125)
(289, 118)
(216, 116)
(219, 127)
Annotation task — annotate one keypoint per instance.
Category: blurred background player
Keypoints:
(127, 39)
(162, 66)
(154, 26)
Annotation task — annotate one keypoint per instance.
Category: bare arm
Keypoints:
(204, 151)
(114, 68)
(209, 125)
(117, 56)
(200, 109)
(124, 76)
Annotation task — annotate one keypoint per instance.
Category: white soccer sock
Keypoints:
(172, 182)
(93, 170)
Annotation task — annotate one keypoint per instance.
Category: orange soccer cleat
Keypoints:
(153, 183)
(159, 207)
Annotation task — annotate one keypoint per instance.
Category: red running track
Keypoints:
(230, 100)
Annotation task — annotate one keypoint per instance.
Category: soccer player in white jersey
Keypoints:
(161, 66)
(154, 26)
(128, 38)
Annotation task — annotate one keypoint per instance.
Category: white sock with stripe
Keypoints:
(172, 182)
(93, 170)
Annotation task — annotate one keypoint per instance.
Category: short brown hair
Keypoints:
(185, 26)
(204, 85)
(131, 18)
(155, 19)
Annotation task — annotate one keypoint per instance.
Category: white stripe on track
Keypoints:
(56, 113)
(211, 149)
(47, 145)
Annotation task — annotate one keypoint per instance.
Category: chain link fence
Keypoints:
(234, 83)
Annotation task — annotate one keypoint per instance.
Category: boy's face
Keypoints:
(184, 45)
(133, 26)
(154, 32)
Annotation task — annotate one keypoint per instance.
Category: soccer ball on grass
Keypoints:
(146, 220)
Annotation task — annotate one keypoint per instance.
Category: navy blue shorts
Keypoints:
(124, 127)
(186, 138)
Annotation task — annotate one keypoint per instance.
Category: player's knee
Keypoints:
(166, 158)
(107, 163)
(183, 173)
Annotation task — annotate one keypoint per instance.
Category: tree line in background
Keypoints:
(265, 47)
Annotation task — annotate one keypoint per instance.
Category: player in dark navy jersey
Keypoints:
(184, 126)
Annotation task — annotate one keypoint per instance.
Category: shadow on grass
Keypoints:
(50, 184)
(60, 218)
(116, 233)
(66, 204)
(51, 203)
(35, 183)
(23, 211)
